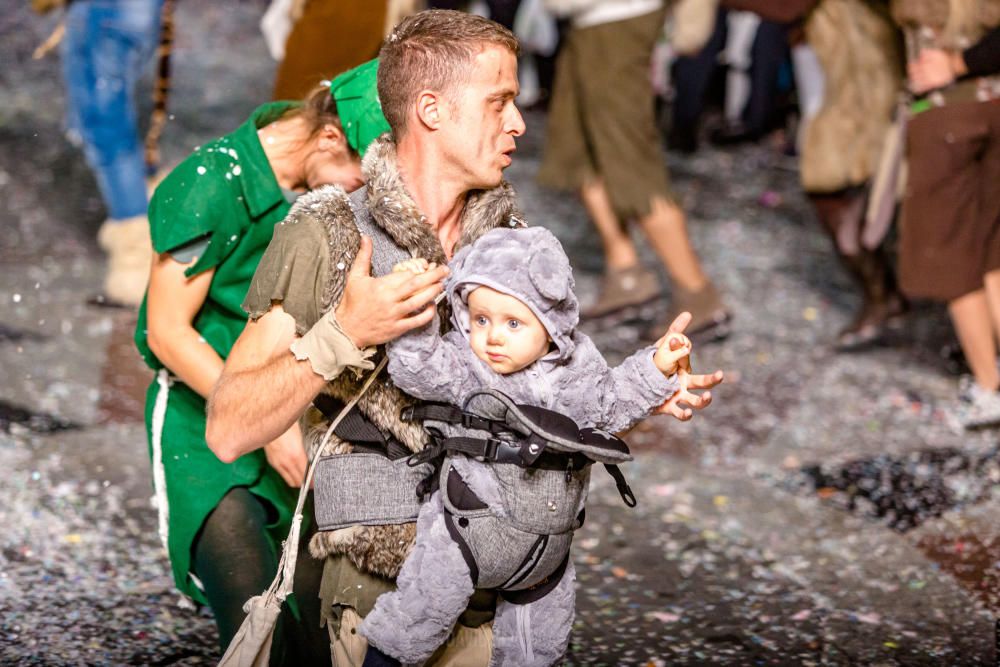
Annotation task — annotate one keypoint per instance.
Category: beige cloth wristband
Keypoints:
(330, 350)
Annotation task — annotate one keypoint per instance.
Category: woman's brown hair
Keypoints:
(318, 108)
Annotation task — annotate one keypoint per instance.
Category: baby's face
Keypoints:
(503, 332)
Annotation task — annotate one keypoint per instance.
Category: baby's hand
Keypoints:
(414, 265)
(673, 353)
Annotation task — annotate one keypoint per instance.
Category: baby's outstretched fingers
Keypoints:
(678, 341)
(672, 354)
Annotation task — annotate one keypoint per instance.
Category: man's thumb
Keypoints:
(363, 260)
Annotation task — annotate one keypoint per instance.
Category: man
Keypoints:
(447, 83)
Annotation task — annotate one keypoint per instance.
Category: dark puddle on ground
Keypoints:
(10, 334)
(38, 422)
(905, 491)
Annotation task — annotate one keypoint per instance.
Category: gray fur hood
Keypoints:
(528, 264)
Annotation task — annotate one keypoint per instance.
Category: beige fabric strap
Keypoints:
(329, 350)
(282, 585)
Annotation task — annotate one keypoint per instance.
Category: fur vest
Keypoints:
(859, 49)
(381, 550)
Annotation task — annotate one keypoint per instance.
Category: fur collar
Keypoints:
(392, 207)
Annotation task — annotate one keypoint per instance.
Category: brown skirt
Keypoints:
(601, 120)
(950, 219)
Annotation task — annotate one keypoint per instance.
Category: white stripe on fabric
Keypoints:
(159, 475)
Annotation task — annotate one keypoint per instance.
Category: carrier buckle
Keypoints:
(491, 449)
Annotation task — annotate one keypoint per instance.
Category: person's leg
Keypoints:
(106, 48)
(569, 163)
(770, 49)
(974, 326)
(626, 283)
(234, 559)
(619, 251)
(742, 28)
(432, 590)
(666, 228)
(107, 45)
(840, 215)
(305, 640)
(991, 283)
(810, 84)
(536, 633)
(691, 77)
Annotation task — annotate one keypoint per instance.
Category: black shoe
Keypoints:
(731, 134)
(682, 141)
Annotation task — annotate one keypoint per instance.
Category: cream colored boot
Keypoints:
(130, 254)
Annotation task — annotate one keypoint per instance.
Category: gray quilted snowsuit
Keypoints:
(435, 582)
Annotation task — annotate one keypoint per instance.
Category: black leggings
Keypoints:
(235, 561)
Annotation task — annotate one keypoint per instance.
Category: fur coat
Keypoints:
(381, 550)
(956, 24)
(860, 51)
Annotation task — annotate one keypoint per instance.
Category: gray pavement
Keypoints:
(821, 512)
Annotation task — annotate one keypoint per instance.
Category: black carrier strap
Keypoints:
(358, 430)
(463, 546)
(539, 590)
(500, 451)
(450, 414)
(624, 490)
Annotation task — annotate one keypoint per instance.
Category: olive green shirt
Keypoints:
(294, 271)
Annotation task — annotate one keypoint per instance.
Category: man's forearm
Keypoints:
(252, 407)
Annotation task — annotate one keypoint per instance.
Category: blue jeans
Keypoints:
(107, 45)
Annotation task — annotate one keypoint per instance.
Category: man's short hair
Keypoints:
(432, 49)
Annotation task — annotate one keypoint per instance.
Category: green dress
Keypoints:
(224, 192)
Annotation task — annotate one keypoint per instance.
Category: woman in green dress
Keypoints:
(210, 221)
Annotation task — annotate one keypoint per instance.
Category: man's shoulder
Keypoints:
(324, 215)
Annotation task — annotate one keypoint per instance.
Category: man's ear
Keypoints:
(430, 109)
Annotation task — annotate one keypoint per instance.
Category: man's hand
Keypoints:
(674, 406)
(287, 455)
(376, 310)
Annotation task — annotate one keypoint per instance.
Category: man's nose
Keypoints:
(515, 125)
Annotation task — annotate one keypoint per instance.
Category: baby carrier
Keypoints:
(517, 543)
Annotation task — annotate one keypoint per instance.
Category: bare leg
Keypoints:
(992, 283)
(666, 229)
(619, 251)
(971, 316)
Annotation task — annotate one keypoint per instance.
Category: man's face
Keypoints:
(478, 137)
(503, 332)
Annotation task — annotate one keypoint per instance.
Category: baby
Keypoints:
(515, 317)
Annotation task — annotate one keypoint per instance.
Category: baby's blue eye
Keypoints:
(513, 324)
(481, 321)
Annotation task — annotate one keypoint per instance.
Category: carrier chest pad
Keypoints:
(559, 432)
